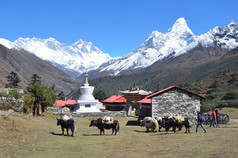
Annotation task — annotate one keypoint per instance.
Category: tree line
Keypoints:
(37, 96)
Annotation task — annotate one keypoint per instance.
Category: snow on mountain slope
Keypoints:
(178, 40)
(226, 38)
(80, 56)
(6, 43)
(157, 46)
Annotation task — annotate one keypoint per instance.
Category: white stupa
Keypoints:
(86, 101)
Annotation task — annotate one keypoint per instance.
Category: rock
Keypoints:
(222, 118)
(11, 103)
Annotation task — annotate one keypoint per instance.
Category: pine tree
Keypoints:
(61, 96)
(42, 95)
(13, 80)
(35, 78)
(100, 95)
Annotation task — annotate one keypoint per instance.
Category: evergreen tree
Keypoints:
(230, 96)
(100, 95)
(29, 100)
(13, 80)
(35, 78)
(61, 96)
(49, 98)
(215, 86)
(42, 95)
(14, 93)
(204, 107)
(37, 92)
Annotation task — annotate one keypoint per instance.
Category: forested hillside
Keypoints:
(160, 79)
(220, 90)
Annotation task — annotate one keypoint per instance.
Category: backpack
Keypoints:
(202, 119)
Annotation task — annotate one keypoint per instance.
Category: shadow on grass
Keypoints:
(228, 127)
(132, 123)
(157, 133)
(143, 131)
(60, 134)
(97, 135)
(164, 133)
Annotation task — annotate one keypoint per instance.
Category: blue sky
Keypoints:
(116, 27)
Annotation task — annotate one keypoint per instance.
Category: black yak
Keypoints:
(69, 124)
(101, 126)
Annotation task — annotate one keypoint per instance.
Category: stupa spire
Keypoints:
(86, 78)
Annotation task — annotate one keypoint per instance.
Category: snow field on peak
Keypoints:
(83, 56)
(157, 46)
(178, 40)
(80, 56)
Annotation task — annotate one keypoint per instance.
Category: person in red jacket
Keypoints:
(214, 118)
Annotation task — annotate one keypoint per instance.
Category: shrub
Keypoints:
(2, 94)
(228, 103)
(28, 102)
(214, 95)
(14, 93)
(6, 118)
(204, 107)
(230, 96)
(234, 79)
(216, 85)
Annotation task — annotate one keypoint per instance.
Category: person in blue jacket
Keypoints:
(200, 122)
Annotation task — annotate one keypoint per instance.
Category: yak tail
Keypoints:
(156, 125)
(118, 127)
(75, 129)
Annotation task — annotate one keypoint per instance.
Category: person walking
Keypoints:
(217, 115)
(200, 120)
(214, 119)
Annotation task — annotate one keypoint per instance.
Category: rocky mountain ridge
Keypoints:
(26, 64)
(177, 41)
(159, 47)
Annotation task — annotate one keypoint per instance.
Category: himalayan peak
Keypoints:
(178, 40)
(82, 56)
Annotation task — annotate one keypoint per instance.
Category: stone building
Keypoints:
(175, 101)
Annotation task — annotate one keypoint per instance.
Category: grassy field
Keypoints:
(28, 137)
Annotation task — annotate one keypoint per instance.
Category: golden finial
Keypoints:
(86, 78)
(134, 88)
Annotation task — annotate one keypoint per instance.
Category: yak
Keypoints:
(149, 123)
(170, 122)
(101, 125)
(179, 124)
(69, 124)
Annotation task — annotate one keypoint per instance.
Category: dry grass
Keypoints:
(232, 112)
(21, 137)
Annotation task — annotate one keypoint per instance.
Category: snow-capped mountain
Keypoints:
(178, 40)
(81, 56)
(226, 38)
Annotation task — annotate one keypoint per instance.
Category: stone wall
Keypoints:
(6, 90)
(176, 102)
(59, 111)
(221, 118)
(11, 103)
